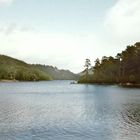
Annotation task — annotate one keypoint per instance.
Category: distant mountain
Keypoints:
(14, 69)
(90, 72)
(56, 73)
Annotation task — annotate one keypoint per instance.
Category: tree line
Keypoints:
(123, 68)
(14, 69)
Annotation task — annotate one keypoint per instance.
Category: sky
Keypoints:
(63, 33)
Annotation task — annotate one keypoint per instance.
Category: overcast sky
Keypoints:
(64, 33)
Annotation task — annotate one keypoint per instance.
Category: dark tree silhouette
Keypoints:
(87, 65)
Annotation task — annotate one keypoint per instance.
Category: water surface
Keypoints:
(58, 110)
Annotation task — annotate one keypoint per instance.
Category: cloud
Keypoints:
(8, 29)
(6, 2)
(67, 51)
(123, 20)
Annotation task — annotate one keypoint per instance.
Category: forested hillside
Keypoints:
(13, 69)
(56, 73)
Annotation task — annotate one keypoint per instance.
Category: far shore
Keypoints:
(12, 81)
(9, 81)
(129, 85)
(133, 85)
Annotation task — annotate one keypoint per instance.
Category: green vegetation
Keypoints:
(124, 68)
(87, 65)
(57, 74)
(13, 69)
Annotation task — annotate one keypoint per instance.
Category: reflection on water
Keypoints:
(131, 120)
(57, 110)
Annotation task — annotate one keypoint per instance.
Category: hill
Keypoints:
(56, 73)
(14, 69)
(90, 72)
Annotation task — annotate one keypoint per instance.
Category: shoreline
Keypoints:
(12, 81)
(8, 81)
(129, 85)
